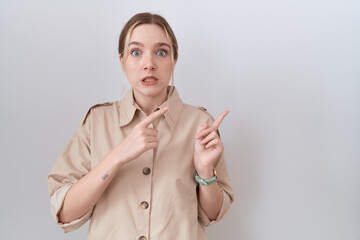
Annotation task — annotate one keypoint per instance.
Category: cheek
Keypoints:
(168, 67)
(131, 64)
(131, 68)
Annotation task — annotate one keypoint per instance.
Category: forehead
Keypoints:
(148, 33)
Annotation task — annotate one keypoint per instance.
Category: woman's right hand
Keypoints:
(140, 139)
(84, 194)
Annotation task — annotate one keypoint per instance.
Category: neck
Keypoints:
(149, 104)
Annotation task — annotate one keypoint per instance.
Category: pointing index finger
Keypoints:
(153, 116)
(218, 121)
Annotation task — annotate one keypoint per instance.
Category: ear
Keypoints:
(122, 62)
(175, 61)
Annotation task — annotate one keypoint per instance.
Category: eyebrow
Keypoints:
(136, 43)
(163, 44)
(142, 45)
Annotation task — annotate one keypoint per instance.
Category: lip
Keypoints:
(149, 83)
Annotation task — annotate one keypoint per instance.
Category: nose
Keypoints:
(149, 63)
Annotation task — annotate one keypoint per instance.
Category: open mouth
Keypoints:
(149, 80)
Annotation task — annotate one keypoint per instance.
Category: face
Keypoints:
(148, 64)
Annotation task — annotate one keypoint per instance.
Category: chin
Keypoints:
(153, 92)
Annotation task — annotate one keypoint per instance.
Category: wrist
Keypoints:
(208, 180)
(205, 172)
(118, 159)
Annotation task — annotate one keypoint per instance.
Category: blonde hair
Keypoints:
(148, 18)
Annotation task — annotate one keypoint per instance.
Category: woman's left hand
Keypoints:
(208, 147)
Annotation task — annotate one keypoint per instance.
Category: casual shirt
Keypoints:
(155, 195)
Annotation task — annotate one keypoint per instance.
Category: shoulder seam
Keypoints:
(92, 107)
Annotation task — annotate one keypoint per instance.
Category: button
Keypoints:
(146, 171)
(144, 205)
(142, 238)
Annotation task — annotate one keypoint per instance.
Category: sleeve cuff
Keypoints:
(56, 201)
(223, 211)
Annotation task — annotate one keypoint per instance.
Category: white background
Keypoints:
(288, 70)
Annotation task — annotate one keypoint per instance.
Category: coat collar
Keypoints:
(128, 108)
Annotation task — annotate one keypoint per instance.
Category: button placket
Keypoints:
(147, 170)
(144, 200)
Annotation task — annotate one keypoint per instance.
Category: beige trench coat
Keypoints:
(155, 195)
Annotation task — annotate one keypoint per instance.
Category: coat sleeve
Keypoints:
(223, 181)
(72, 164)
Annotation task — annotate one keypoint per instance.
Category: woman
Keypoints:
(143, 167)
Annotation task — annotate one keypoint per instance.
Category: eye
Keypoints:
(161, 53)
(135, 52)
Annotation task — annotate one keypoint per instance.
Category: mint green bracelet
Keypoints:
(206, 182)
